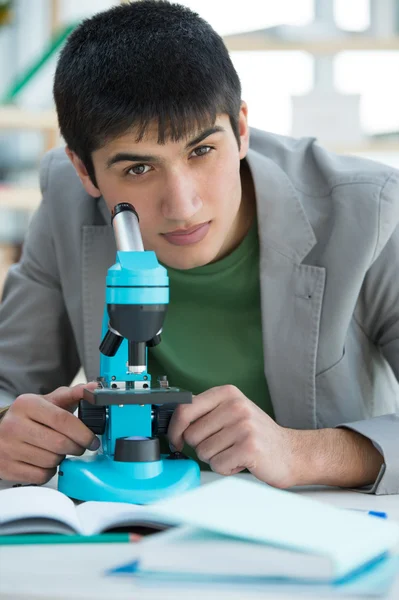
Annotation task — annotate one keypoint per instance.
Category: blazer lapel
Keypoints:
(98, 254)
(291, 295)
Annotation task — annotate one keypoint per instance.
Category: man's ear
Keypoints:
(84, 177)
(243, 129)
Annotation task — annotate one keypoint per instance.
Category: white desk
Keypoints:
(76, 571)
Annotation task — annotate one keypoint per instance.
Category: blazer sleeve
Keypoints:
(377, 313)
(37, 347)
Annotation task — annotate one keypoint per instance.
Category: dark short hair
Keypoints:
(136, 64)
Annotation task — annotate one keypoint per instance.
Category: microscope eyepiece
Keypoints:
(121, 207)
(125, 222)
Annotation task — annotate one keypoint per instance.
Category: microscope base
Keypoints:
(101, 478)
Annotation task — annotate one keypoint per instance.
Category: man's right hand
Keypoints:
(38, 431)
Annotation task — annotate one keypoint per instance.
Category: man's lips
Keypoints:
(186, 231)
(189, 236)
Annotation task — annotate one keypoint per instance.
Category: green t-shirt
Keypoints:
(212, 331)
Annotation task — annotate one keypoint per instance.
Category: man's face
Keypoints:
(180, 186)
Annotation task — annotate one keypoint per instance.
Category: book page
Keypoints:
(96, 517)
(36, 525)
(36, 503)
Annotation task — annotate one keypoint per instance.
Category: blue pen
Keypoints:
(373, 513)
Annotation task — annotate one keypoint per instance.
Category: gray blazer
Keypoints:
(329, 255)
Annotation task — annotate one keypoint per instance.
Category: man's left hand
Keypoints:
(230, 433)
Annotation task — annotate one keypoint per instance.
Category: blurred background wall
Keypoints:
(323, 68)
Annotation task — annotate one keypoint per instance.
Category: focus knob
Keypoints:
(93, 417)
(162, 417)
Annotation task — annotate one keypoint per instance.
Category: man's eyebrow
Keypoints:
(204, 134)
(130, 157)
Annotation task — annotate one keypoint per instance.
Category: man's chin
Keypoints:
(184, 262)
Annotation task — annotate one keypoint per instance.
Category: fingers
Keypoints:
(69, 397)
(38, 431)
(37, 456)
(228, 462)
(57, 420)
(185, 414)
(203, 428)
(20, 472)
(217, 443)
(40, 436)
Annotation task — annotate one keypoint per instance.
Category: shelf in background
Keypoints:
(12, 117)
(19, 198)
(372, 146)
(256, 40)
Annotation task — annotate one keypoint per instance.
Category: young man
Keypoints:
(282, 258)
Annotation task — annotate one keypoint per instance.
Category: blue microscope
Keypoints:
(126, 410)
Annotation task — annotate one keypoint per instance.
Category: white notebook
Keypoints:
(192, 551)
(284, 520)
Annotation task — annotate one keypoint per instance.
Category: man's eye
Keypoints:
(202, 150)
(139, 170)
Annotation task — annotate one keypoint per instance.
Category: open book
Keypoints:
(35, 510)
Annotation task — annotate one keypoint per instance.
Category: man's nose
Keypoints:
(181, 200)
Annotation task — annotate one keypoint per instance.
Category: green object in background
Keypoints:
(21, 81)
(106, 538)
(5, 12)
